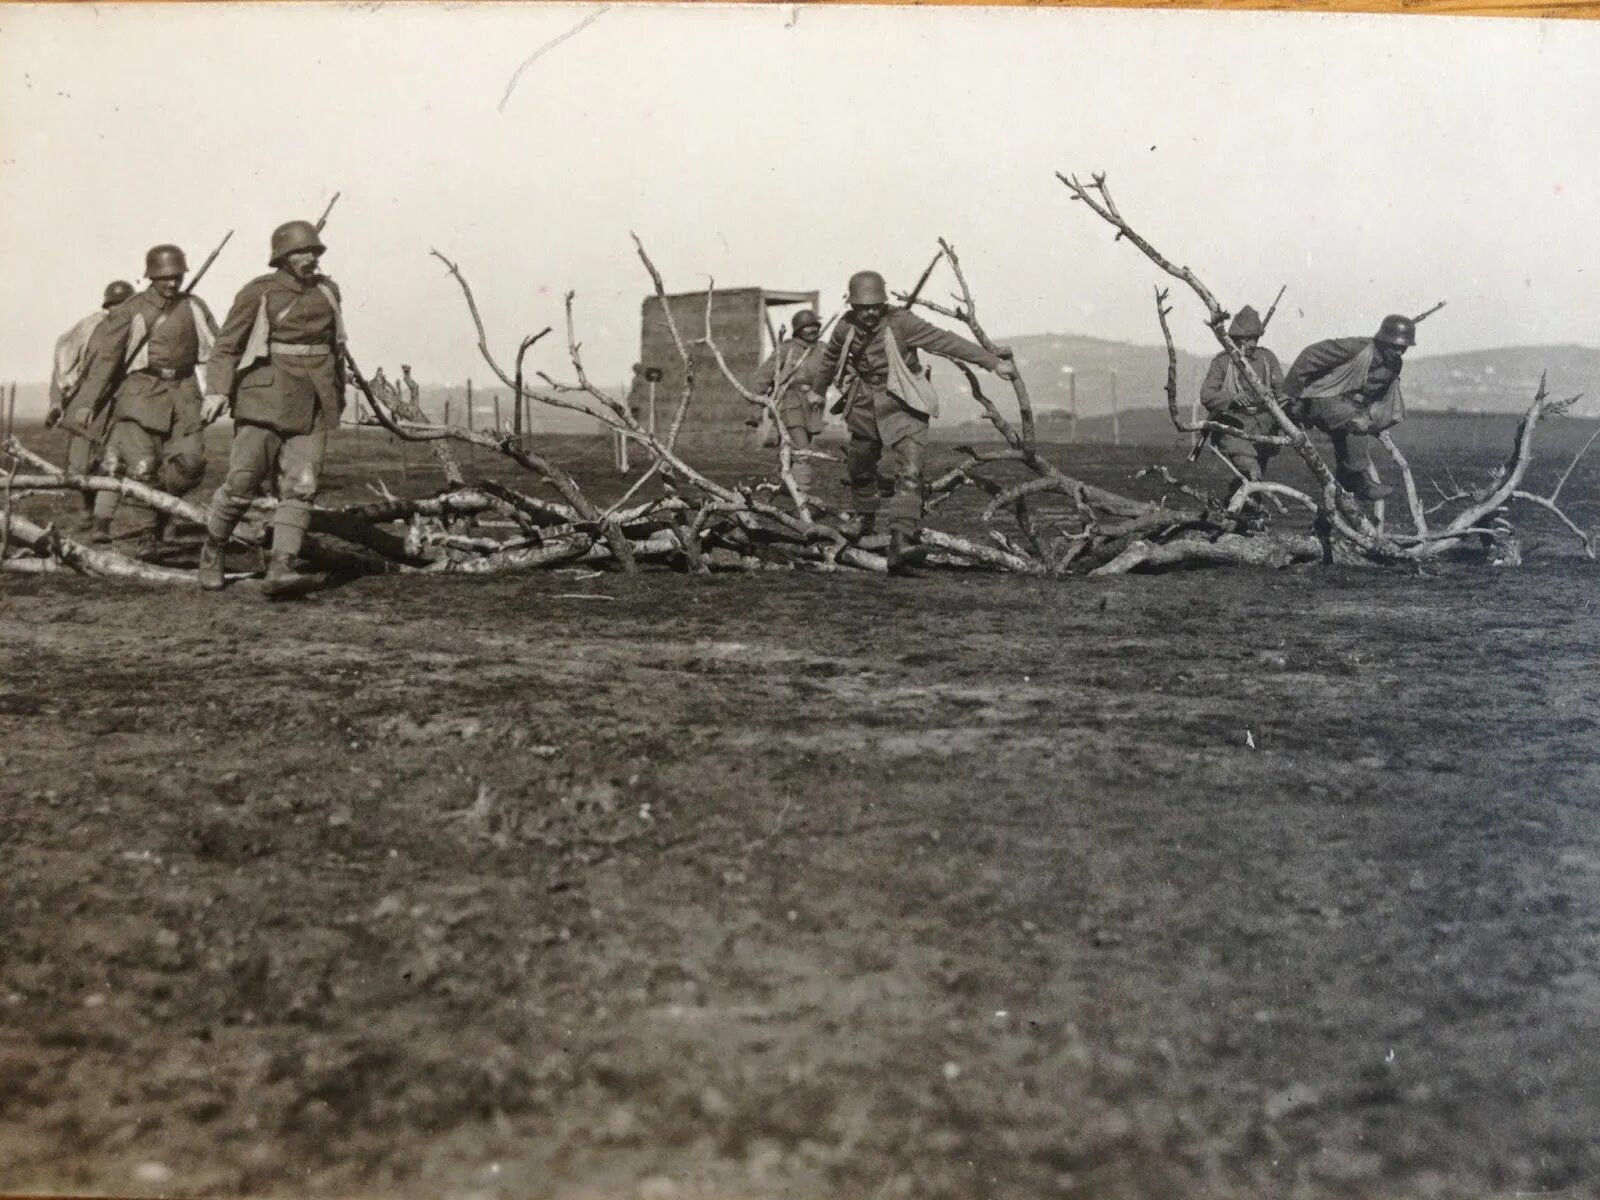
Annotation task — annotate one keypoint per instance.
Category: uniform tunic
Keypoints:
(278, 358)
(1226, 400)
(1343, 387)
(152, 389)
(798, 406)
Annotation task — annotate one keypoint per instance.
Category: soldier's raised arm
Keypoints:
(918, 334)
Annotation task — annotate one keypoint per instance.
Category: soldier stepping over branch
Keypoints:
(1350, 389)
(888, 401)
(279, 364)
(143, 380)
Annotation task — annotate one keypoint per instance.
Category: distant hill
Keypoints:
(1502, 380)
(1056, 363)
(1494, 381)
(1499, 380)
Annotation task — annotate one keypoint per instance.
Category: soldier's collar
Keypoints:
(294, 281)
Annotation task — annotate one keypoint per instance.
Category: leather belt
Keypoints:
(296, 351)
(169, 374)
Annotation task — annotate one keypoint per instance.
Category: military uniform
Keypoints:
(154, 396)
(1228, 401)
(66, 372)
(799, 408)
(278, 357)
(888, 431)
(1350, 389)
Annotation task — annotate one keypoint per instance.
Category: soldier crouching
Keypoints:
(278, 359)
(1349, 388)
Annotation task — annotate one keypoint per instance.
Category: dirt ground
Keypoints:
(1220, 884)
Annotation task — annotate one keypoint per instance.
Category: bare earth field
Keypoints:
(1221, 884)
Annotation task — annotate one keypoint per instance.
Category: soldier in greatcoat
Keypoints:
(783, 376)
(66, 372)
(1350, 389)
(146, 361)
(888, 403)
(278, 363)
(1228, 402)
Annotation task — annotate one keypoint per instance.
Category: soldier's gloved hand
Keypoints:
(216, 404)
(52, 416)
(1007, 369)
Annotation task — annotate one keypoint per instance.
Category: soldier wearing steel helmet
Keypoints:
(66, 372)
(1350, 389)
(143, 377)
(783, 376)
(1229, 402)
(279, 364)
(888, 404)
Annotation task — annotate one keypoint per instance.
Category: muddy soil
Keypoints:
(1220, 884)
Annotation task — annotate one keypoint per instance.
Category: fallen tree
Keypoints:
(697, 523)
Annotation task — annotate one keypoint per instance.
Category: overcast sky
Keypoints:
(1372, 163)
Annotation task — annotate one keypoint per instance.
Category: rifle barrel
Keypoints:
(206, 266)
(1267, 320)
(911, 296)
(323, 219)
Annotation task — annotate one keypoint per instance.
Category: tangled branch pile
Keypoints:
(695, 523)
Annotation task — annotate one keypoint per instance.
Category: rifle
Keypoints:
(349, 362)
(1421, 317)
(1267, 320)
(323, 219)
(911, 296)
(194, 282)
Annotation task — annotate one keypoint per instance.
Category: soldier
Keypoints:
(888, 402)
(66, 371)
(638, 392)
(799, 408)
(1350, 388)
(143, 362)
(1228, 402)
(279, 363)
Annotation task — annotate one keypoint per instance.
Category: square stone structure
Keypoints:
(744, 322)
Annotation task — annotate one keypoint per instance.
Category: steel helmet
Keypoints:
(1247, 324)
(1397, 330)
(292, 236)
(805, 319)
(116, 292)
(867, 287)
(164, 262)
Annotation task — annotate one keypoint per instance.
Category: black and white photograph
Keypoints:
(789, 602)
